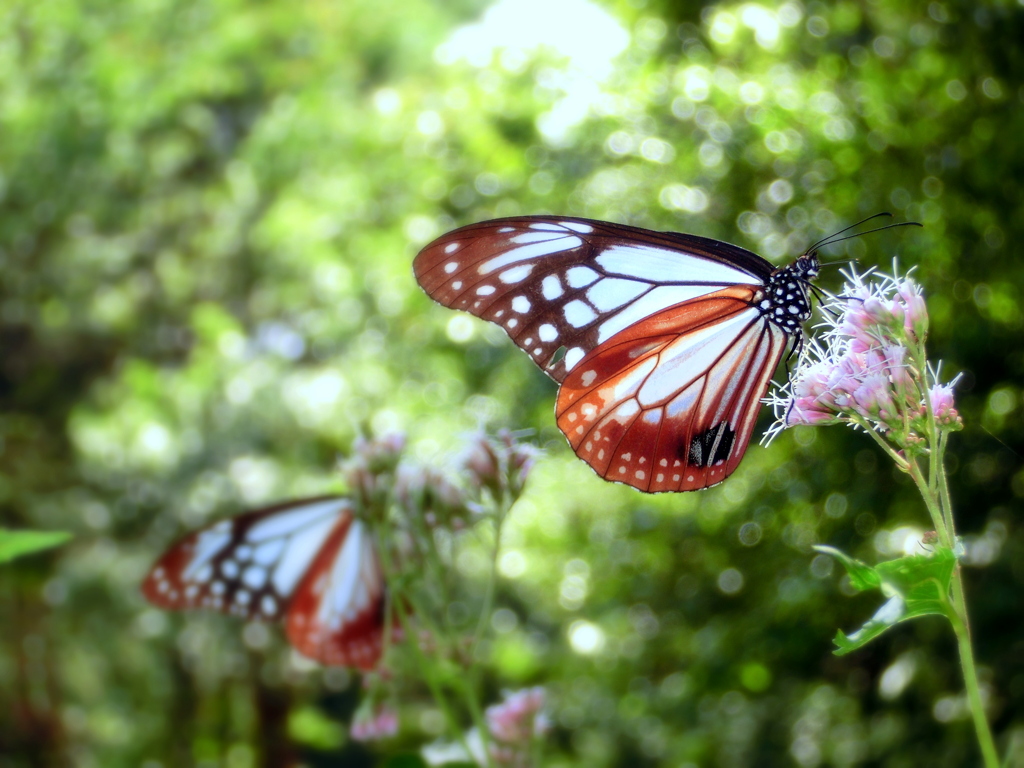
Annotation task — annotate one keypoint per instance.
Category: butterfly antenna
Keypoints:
(877, 229)
(841, 231)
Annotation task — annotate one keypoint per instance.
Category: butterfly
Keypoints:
(663, 343)
(310, 563)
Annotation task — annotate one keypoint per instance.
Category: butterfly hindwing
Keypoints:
(337, 616)
(565, 285)
(310, 562)
(670, 403)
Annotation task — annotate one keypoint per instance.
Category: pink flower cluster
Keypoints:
(374, 724)
(519, 717)
(891, 309)
(867, 368)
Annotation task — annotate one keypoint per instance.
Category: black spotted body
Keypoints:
(786, 301)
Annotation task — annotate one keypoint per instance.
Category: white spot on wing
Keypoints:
(255, 576)
(578, 277)
(572, 357)
(547, 332)
(521, 304)
(578, 226)
(610, 293)
(551, 287)
(485, 290)
(516, 274)
(578, 314)
(451, 266)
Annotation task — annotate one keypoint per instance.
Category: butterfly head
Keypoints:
(807, 266)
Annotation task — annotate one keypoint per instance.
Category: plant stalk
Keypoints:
(935, 493)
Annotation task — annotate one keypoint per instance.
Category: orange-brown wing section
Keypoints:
(669, 404)
(337, 615)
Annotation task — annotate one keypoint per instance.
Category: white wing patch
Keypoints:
(686, 359)
(612, 293)
(545, 247)
(660, 298)
(661, 265)
(287, 522)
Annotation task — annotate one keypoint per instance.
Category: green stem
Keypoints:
(863, 424)
(963, 639)
(440, 699)
(492, 574)
(935, 493)
(945, 532)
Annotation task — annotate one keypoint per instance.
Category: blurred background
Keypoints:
(208, 212)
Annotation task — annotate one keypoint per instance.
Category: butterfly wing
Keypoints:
(555, 283)
(337, 616)
(669, 404)
(269, 564)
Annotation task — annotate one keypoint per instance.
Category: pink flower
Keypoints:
(873, 399)
(806, 411)
(519, 718)
(894, 360)
(941, 397)
(916, 320)
(374, 725)
(861, 371)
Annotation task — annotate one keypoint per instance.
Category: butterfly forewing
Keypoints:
(564, 285)
(292, 561)
(670, 403)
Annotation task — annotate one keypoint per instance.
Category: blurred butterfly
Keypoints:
(663, 343)
(311, 563)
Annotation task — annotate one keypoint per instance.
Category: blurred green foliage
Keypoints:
(208, 211)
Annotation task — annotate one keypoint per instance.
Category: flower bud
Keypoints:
(946, 416)
(916, 315)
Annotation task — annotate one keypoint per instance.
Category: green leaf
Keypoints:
(308, 725)
(17, 543)
(916, 585)
(862, 575)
